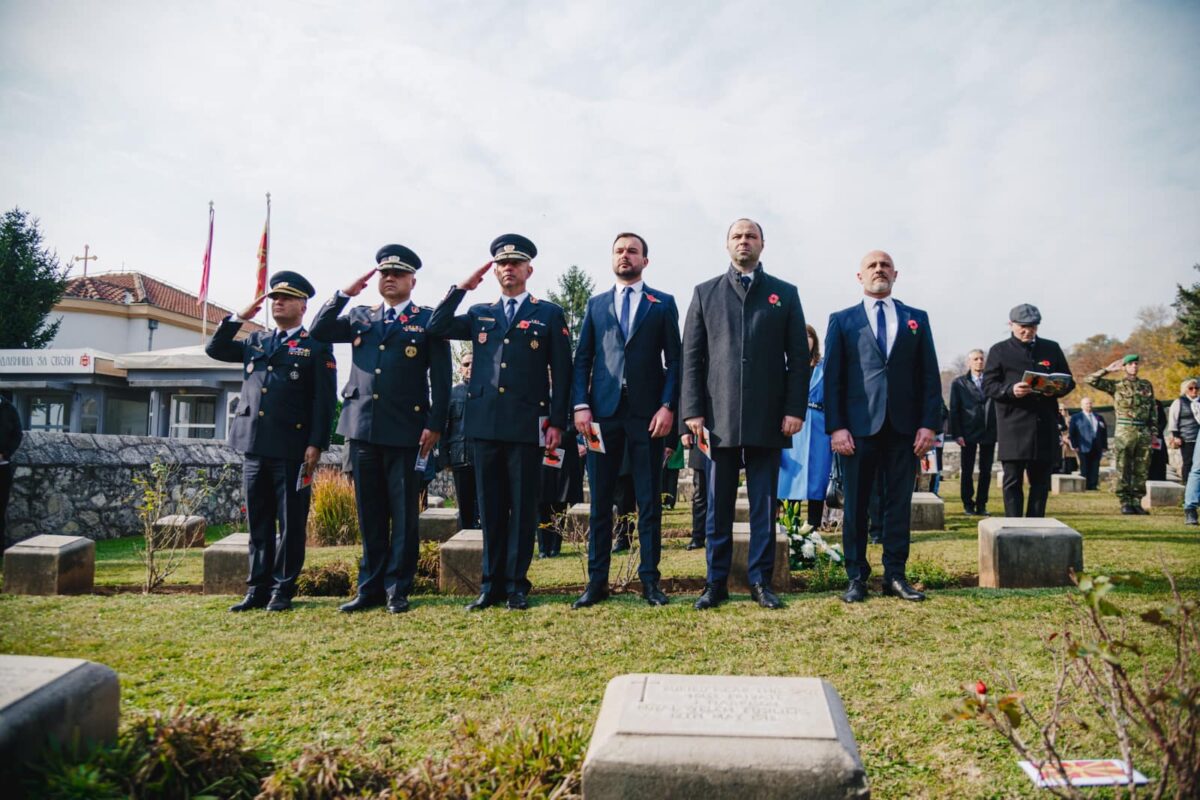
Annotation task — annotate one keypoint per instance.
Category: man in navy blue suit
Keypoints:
(1089, 437)
(883, 404)
(627, 382)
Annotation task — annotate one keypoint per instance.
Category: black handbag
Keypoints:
(835, 494)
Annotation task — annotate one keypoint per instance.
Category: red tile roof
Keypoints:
(126, 288)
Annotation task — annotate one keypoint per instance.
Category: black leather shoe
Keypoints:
(713, 595)
(970, 512)
(1140, 510)
(898, 587)
(482, 602)
(654, 595)
(397, 605)
(1128, 509)
(764, 596)
(856, 592)
(360, 603)
(279, 602)
(517, 602)
(1190, 517)
(250, 602)
(981, 510)
(591, 595)
(695, 544)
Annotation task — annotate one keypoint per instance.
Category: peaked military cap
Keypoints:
(292, 284)
(1025, 314)
(513, 247)
(397, 257)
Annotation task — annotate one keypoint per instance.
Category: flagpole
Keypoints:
(266, 257)
(205, 277)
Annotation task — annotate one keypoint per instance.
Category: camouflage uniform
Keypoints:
(1133, 401)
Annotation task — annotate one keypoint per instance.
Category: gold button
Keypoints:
(264, 390)
(262, 413)
(416, 408)
(501, 390)
(382, 347)
(503, 365)
(374, 397)
(506, 341)
(270, 369)
(299, 425)
(378, 371)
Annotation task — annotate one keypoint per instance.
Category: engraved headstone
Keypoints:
(1025, 552)
(722, 736)
(50, 564)
(44, 700)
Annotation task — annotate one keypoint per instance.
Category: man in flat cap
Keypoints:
(282, 424)
(745, 378)
(393, 412)
(1137, 422)
(517, 405)
(1026, 416)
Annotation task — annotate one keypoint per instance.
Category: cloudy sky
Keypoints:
(1002, 152)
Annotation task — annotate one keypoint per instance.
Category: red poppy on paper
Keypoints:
(980, 687)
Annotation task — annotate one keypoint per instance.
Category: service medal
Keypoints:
(534, 345)
(294, 374)
(250, 368)
(482, 337)
(410, 351)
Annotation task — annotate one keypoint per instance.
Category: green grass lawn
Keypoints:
(399, 682)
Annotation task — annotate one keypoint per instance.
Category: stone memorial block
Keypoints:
(579, 515)
(741, 510)
(50, 564)
(460, 560)
(227, 565)
(44, 700)
(435, 501)
(587, 492)
(1162, 494)
(722, 736)
(781, 576)
(1025, 553)
(438, 524)
(189, 529)
(1067, 484)
(928, 512)
(743, 493)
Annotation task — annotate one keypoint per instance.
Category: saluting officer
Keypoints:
(519, 392)
(282, 425)
(393, 412)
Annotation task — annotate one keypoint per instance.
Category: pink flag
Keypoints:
(207, 260)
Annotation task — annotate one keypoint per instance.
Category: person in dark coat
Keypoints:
(521, 346)
(627, 383)
(1089, 438)
(282, 424)
(562, 487)
(457, 448)
(745, 379)
(883, 408)
(1026, 420)
(973, 426)
(10, 440)
(393, 415)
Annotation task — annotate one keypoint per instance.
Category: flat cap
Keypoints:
(1025, 314)
(1131, 358)
(292, 284)
(397, 257)
(513, 247)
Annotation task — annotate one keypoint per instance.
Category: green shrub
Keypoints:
(332, 514)
(335, 579)
(428, 567)
(930, 575)
(326, 774)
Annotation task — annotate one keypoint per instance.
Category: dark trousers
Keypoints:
(468, 503)
(625, 500)
(1089, 468)
(6, 480)
(975, 499)
(875, 507)
(387, 490)
(274, 509)
(620, 432)
(887, 455)
(702, 518)
(508, 478)
(549, 533)
(670, 487)
(1188, 451)
(762, 481)
(1014, 485)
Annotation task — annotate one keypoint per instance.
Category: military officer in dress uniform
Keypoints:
(393, 412)
(1137, 422)
(521, 348)
(282, 424)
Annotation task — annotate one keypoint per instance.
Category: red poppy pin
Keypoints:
(566, 332)
(773, 299)
(523, 324)
(912, 326)
(651, 298)
(1044, 363)
(414, 308)
(293, 343)
(404, 317)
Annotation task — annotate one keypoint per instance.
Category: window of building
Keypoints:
(49, 413)
(89, 415)
(193, 417)
(127, 417)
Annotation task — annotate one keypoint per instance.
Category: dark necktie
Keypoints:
(625, 312)
(745, 279)
(511, 310)
(390, 316)
(881, 328)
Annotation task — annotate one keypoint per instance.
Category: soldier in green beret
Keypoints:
(1137, 422)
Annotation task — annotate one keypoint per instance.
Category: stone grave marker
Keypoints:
(227, 565)
(438, 524)
(192, 526)
(45, 700)
(1067, 484)
(928, 512)
(460, 563)
(1025, 553)
(1162, 494)
(781, 576)
(49, 564)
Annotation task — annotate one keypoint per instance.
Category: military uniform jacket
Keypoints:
(288, 391)
(1026, 427)
(513, 367)
(745, 360)
(1133, 400)
(454, 443)
(400, 379)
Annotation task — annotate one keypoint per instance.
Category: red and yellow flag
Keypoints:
(207, 260)
(264, 247)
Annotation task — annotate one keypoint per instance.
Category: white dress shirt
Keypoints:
(520, 301)
(889, 316)
(635, 297)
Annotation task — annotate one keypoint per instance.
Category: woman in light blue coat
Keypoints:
(804, 468)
